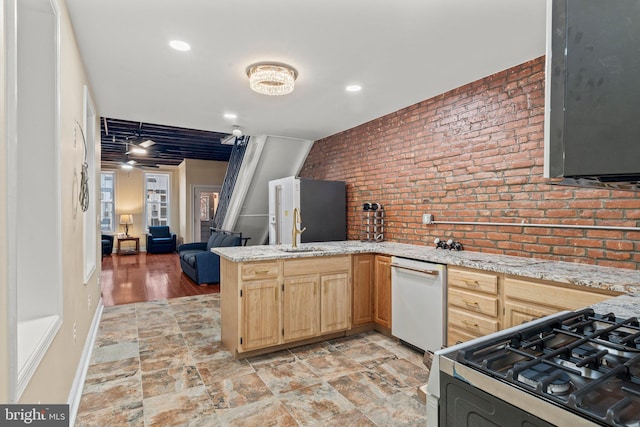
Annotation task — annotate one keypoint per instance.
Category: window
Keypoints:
(157, 205)
(107, 181)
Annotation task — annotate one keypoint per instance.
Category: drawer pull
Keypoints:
(472, 282)
(467, 302)
(261, 271)
(469, 323)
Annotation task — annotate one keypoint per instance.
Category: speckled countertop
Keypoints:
(614, 279)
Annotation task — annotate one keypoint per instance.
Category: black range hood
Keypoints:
(592, 123)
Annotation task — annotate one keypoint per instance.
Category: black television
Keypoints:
(592, 124)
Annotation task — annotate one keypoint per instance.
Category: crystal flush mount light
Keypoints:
(271, 78)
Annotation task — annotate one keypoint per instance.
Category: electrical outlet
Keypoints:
(75, 331)
(427, 218)
(89, 307)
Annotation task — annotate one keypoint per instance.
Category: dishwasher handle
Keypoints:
(417, 270)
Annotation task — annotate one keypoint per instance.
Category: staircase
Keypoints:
(246, 195)
(230, 178)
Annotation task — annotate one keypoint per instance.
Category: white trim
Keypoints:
(89, 220)
(44, 330)
(83, 365)
(11, 65)
(21, 366)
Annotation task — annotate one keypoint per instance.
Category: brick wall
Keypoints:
(476, 154)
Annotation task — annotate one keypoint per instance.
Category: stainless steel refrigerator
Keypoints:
(322, 206)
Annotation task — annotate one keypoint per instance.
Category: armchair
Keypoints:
(199, 263)
(160, 240)
(107, 244)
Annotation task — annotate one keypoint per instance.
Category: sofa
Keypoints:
(199, 263)
(160, 240)
(107, 244)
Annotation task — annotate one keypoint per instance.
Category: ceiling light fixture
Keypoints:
(180, 45)
(230, 116)
(272, 78)
(138, 150)
(353, 88)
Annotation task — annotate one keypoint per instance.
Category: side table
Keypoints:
(136, 240)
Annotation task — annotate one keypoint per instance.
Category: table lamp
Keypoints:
(126, 220)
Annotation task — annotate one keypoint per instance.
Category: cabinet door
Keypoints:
(382, 291)
(260, 314)
(362, 300)
(517, 313)
(301, 307)
(334, 302)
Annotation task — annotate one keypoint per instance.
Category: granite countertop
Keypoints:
(613, 279)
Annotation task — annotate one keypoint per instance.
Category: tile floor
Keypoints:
(161, 363)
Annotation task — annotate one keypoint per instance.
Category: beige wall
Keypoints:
(53, 379)
(197, 172)
(4, 319)
(130, 198)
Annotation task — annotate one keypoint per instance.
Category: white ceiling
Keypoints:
(400, 51)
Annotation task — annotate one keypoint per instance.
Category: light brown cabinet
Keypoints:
(334, 302)
(274, 303)
(362, 299)
(300, 308)
(382, 291)
(525, 300)
(481, 302)
(473, 304)
(260, 310)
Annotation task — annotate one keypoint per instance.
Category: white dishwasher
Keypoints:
(418, 301)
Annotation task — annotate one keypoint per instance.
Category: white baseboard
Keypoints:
(83, 365)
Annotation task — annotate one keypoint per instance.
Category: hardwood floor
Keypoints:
(146, 277)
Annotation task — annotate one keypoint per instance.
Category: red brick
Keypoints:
(476, 154)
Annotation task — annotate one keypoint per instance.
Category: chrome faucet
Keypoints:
(297, 219)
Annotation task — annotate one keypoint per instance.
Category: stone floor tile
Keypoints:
(266, 412)
(400, 409)
(288, 377)
(315, 404)
(332, 365)
(313, 350)
(190, 407)
(272, 359)
(173, 379)
(238, 391)
(363, 388)
(402, 374)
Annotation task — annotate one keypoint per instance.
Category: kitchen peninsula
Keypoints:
(274, 297)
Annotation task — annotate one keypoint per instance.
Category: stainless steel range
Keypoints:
(574, 368)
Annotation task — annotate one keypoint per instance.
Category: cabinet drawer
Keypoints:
(456, 336)
(472, 323)
(316, 265)
(473, 301)
(472, 280)
(550, 295)
(260, 270)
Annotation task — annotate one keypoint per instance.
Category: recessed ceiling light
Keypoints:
(180, 45)
(353, 88)
(230, 116)
(126, 166)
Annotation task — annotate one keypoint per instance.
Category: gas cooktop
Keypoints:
(584, 361)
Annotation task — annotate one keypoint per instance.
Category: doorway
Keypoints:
(206, 199)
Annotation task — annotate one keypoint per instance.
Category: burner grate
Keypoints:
(587, 362)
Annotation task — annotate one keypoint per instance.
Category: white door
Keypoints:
(205, 203)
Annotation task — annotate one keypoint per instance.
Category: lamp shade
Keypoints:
(126, 219)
